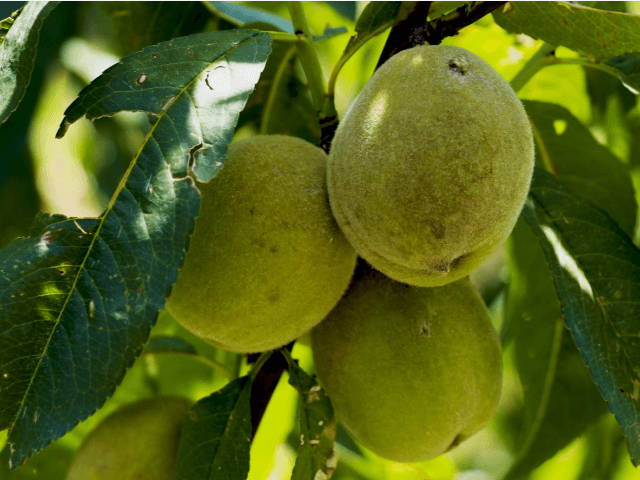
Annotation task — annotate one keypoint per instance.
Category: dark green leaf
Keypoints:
(603, 87)
(78, 299)
(216, 436)
(196, 86)
(628, 67)
(18, 54)
(346, 9)
(596, 273)
(169, 345)
(596, 33)
(53, 462)
(79, 296)
(560, 398)
(240, 15)
(141, 24)
(567, 148)
(316, 457)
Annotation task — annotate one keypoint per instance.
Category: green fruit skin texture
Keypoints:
(431, 165)
(267, 260)
(137, 442)
(411, 371)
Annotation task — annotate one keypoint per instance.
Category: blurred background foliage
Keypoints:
(76, 176)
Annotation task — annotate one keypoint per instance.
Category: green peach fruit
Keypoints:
(267, 261)
(137, 442)
(411, 371)
(431, 165)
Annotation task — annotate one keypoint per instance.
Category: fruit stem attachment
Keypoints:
(307, 53)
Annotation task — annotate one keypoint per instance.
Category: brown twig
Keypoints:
(411, 29)
(264, 384)
(450, 24)
(415, 30)
(408, 30)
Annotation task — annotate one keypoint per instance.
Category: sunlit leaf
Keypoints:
(567, 148)
(628, 66)
(7, 23)
(596, 272)
(438, 9)
(240, 15)
(596, 33)
(196, 86)
(281, 103)
(18, 54)
(78, 297)
(560, 398)
(216, 435)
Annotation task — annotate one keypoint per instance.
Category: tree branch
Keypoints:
(451, 23)
(411, 29)
(264, 384)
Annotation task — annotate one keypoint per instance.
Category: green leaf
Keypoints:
(169, 345)
(281, 103)
(216, 435)
(140, 24)
(437, 9)
(628, 67)
(316, 457)
(375, 19)
(8, 22)
(346, 9)
(604, 451)
(330, 32)
(18, 54)
(78, 297)
(596, 273)
(240, 15)
(567, 148)
(595, 33)
(560, 398)
(53, 463)
(195, 86)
